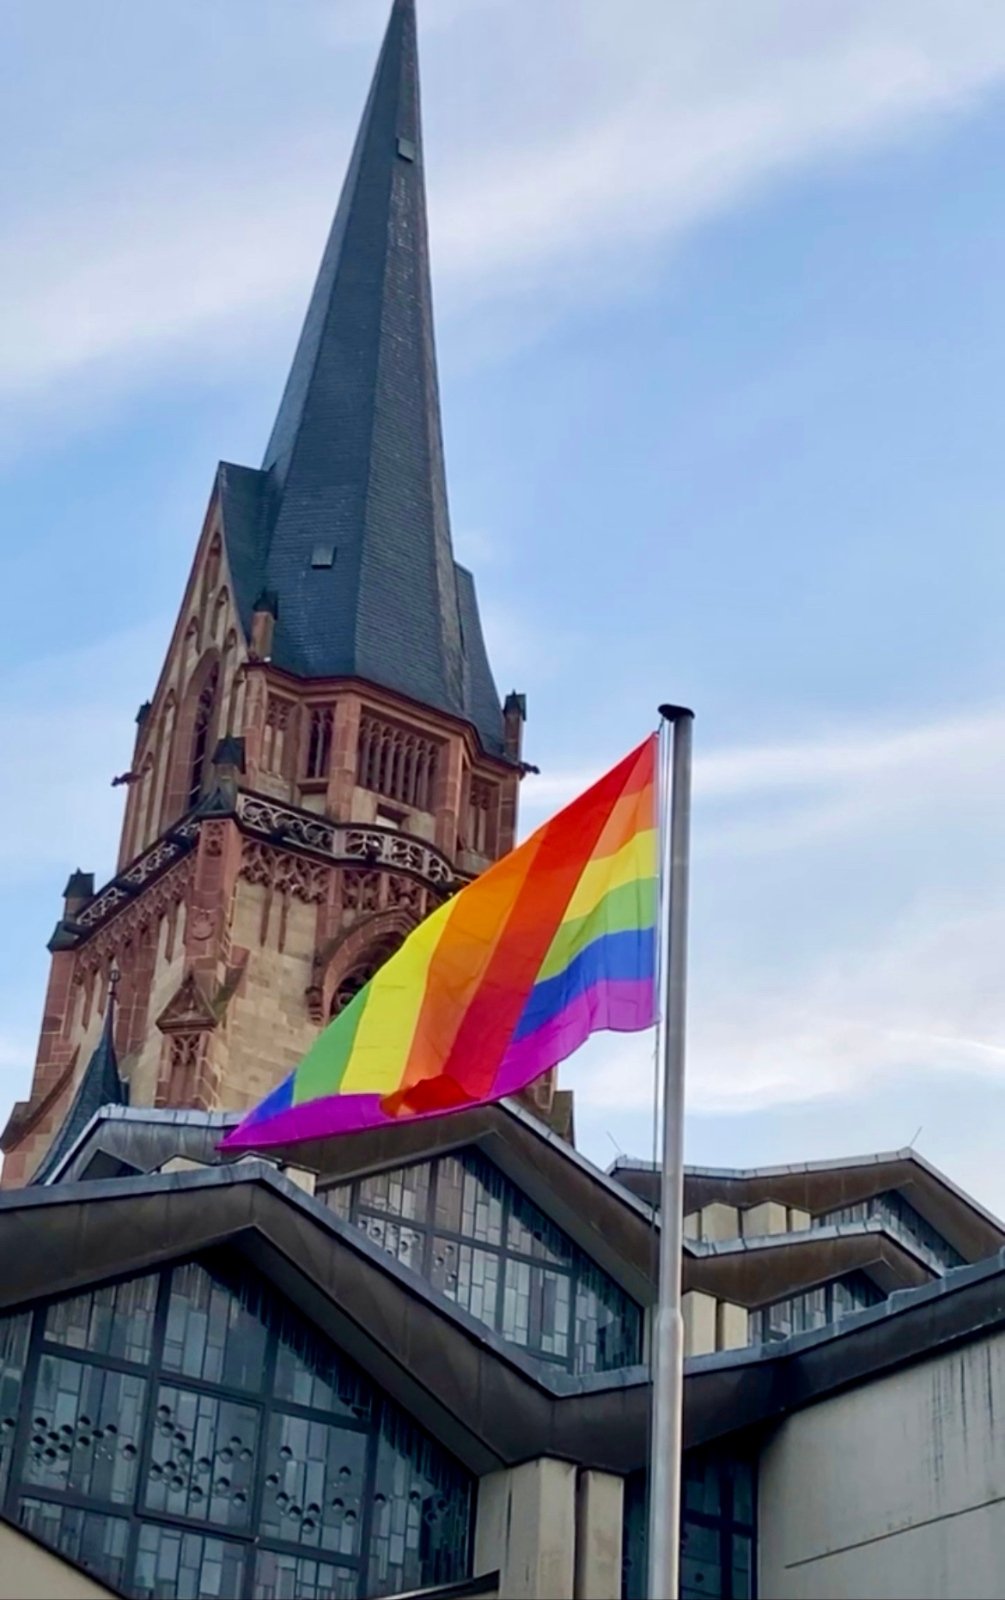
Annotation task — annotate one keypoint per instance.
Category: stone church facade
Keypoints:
(325, 757)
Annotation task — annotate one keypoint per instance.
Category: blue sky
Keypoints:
(721, 340)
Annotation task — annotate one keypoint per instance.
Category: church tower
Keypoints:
(325, 757)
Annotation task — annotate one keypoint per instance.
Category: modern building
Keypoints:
(415, 1360)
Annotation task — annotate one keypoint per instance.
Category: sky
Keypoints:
(722, 356)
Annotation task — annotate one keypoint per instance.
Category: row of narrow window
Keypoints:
(461, 1224)
(394, 762)
(902, 1219)
(391, 761)
(397, 763)
(814, 1308)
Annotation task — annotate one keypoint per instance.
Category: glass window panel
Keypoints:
(91, 1539)
(14, 1332)
(215, 1330)
(717, 1547)
(464, 1195)
(315, 1476)
(286, 1577)
(743, 1492)
(310, 1372)
(177, 1565)
(115, 1320)
(316, 1439)
(702, 1485)
(901, 1218)
(700, 1559)
(549, 1312)
(339, 1199)
(421, 1512)
(742, 1571)
(469, 1198)
(202, 1458)
(608, 1324)
(85, 1430)
(402, 1193)
(403, 1243)
(468, 1276)
(530, 1232)
(516, 1302)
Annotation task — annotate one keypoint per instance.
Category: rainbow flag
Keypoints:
(554, 942)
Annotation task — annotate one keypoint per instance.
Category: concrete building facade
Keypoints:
(416, 1362)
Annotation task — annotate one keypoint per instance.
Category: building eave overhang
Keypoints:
(611, 1227)
(829, 1185)
(484, 1400)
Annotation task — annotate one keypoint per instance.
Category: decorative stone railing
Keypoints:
(346, 841)
(162, 854)
(280, 824)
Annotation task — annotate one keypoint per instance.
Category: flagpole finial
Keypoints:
(675, 713)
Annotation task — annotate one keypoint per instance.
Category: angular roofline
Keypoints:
(435, 1360)
(742, 1245)
(850, 1163)
(229, 1119)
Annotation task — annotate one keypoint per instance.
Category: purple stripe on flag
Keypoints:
(319, 1119)
(619, 1005)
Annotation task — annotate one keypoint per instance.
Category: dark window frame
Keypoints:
(761, 1331)
(135, 1514)
(727, 1463)
(575, 1266)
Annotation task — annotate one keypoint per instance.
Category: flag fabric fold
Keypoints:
(551, 944)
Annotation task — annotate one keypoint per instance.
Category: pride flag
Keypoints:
(554, 942)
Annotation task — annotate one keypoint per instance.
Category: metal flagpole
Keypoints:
(668, 1332)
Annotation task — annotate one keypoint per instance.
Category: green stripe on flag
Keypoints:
(622, 910)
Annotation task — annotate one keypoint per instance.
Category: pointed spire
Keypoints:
(347, 525)
(100, 1085)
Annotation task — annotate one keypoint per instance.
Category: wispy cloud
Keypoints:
(922, 997)
(797, 994)
(602, 137)
(768, 796)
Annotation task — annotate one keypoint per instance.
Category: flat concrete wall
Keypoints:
(893, 1489)
(551, 1532)
(28, 1571)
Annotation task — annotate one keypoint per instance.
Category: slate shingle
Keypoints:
(355, 460)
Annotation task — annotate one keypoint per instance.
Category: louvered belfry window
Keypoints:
(397, 762)
(319, 741)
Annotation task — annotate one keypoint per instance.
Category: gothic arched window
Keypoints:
(201, 728)
(359, 976)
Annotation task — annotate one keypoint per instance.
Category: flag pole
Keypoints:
(666, 1437)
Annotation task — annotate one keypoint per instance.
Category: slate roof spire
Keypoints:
(349, 527)
(100, 1085)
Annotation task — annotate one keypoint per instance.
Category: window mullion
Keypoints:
(29, 1381)
(432, 1198)
(369, 1490)
(147, 1420)
(504, 1256)
(267, 1396)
